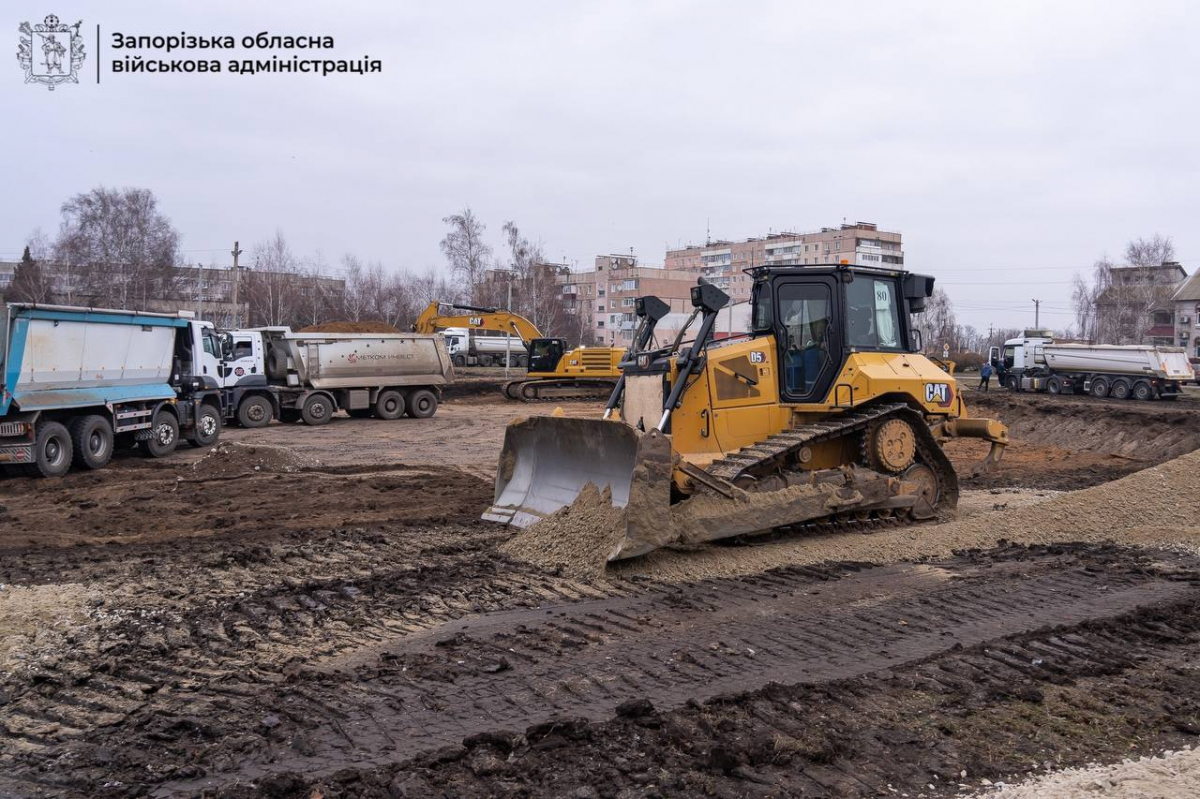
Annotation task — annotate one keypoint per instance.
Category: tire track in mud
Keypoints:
(517, 670)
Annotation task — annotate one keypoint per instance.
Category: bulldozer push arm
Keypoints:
(824, 416)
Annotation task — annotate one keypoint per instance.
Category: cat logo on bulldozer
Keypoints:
(941, 393)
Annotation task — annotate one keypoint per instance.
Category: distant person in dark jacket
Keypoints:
(985, 376)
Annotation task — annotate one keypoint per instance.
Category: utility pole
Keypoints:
(236, 279)
(507, 334)
(1037, 315)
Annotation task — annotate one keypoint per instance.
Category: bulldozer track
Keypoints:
(780, 449)
(573, 390)
(522, 670)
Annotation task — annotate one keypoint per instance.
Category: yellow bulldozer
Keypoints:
(554, 372)
(826, 414)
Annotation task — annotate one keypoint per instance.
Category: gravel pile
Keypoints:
(1173, 775)
(576, 540)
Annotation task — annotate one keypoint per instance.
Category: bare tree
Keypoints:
(124, 248)
(273, 285)
(466, 251)
(1154, 251)
(938, 325)
(31, 282)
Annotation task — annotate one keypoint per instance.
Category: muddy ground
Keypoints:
(320, 612)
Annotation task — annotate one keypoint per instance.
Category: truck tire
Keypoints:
(164, 435)
(1053, 385)
(459, 361)
(92, 441)
(1120, 390)
(485, 360)
(208, 427)
(255, 411)
(1143, 390)
(522, 361)
(277, 364)
(1100, 387)
(422, 404)
(318, 410)
(1012, 383)
(51, 451)
(389, 404)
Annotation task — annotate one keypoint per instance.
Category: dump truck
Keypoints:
(554, 371)
(825, 416)
(468, 349)
(81, 382)
(275, 373)
(1035, 362)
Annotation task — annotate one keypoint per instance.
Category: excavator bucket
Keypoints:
(548, 460)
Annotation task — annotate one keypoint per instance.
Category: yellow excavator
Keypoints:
(554, 373)
(825, 416)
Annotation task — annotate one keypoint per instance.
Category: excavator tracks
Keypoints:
(781, 451)
(559, 389)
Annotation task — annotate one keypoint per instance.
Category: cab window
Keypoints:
(804, 315)
(210, 345)
(872, 317)
(242, 349)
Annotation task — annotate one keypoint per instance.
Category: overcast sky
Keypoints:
(1012, 143)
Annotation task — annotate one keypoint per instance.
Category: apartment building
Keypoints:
(600, 301)
(1187, 315)
(722, 262)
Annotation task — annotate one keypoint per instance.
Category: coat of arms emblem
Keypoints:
(50, 52)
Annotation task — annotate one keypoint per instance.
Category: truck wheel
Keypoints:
(51, 451)
(422, 404)
(318, 410)
(255, 411)
(1012, 384)
(389, 404)
(459, 361)
(485, 360)
(522, 361)
(1100, 387)
(92, 441)
(1143, 390)
(164, 435)
(1053, 385)
(1120, 390)
(208, 427)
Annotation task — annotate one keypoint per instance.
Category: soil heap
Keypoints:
(232, 459)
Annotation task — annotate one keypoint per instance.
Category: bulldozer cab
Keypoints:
(545, 353)
(819, 316)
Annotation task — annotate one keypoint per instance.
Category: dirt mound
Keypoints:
(350, 327)
(1173, 775)
(1149, 431)
(577, 539)
(230, 459)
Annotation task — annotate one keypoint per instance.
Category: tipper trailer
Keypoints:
(273, 372)
(80, 382)
(1035, 362)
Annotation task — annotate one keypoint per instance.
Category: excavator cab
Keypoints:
(545, 354)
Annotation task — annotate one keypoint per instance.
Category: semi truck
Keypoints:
(81, 382)
(1035, 362)
(275, 373)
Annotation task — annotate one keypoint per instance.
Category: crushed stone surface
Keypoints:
(1172, 775)
(35, 618)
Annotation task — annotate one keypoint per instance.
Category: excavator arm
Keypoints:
(438, 316)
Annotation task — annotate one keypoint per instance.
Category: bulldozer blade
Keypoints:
(548, 460)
